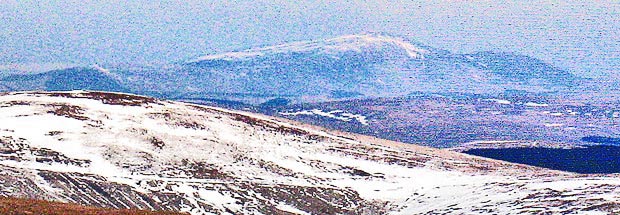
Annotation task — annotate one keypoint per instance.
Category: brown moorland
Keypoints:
(17, 206)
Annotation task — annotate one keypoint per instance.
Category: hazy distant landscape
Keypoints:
(377, 85)
(306, 107)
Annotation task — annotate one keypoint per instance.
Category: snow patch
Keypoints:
(101, 69)
(533, 104)
(228, 56)
(553, 125)
(219, 200)
(291, 209)
(336, 114)
(499, 101)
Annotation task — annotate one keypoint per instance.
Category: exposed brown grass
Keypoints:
(18, 206)
(108, 98)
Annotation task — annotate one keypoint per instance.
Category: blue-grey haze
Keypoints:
(577, 35)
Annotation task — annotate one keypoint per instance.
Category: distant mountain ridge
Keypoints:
(352, 66)
(372, 65)
(76, 78)
(519, 67)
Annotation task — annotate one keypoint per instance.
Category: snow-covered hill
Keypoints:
(120, 151)
(366, 65)
(349, 43)
(341, 68)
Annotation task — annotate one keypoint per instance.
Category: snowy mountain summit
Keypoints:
(348, 43)
(364, 66)
(127, 151)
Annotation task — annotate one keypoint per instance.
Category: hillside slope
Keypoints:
(126, 151)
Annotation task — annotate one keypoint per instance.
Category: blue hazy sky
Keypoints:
(576, 35)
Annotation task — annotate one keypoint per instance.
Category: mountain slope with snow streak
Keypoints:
(354, 66)
(127, 151)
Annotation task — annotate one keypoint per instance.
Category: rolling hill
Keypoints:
(126, 151)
